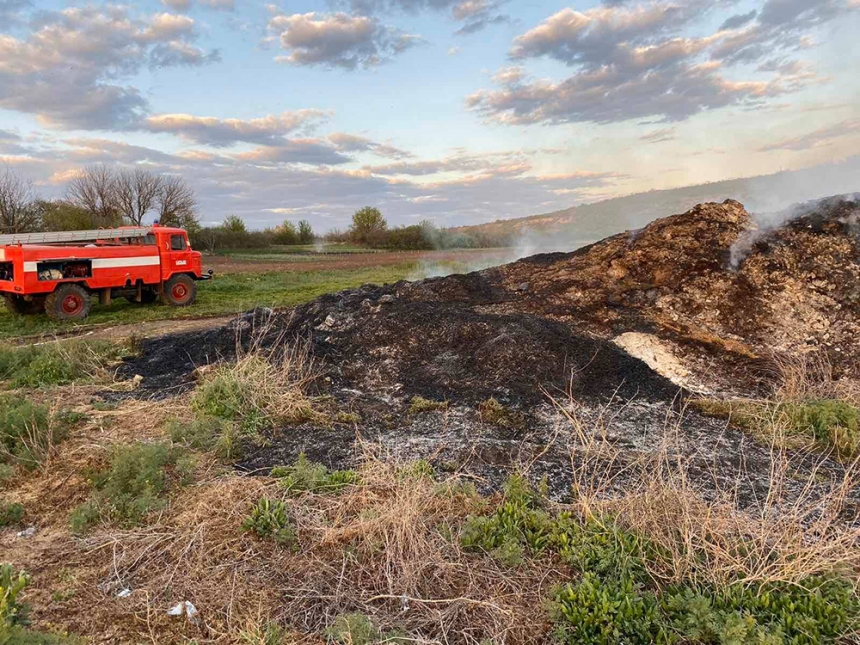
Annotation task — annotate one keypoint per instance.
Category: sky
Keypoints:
(454, 111)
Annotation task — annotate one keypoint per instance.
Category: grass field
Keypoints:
(231, 293)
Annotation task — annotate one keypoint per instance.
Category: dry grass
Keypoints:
(786, 536)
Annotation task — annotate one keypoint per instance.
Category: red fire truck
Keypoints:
(59, 273)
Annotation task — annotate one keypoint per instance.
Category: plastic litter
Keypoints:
(124, 593)
(185, 607)
(28, 532)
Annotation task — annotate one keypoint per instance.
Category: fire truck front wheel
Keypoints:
(20, 307)
(179, 291)
(68, 302)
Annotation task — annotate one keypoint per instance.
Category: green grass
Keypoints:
(225, 294)
(280, 252)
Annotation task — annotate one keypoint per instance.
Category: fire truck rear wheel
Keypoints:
(20, 307)
(179, 291)
(68, 302)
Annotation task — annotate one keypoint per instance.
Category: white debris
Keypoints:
(30, 531)
(185, 607)
(125, 593)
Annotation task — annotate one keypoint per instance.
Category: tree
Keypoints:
(95, 189)
(137, 192)
(368, 226)
(306, 233)
(234, 224)
(59, 215)
(286, 233)
(18, 212)
(177, 204)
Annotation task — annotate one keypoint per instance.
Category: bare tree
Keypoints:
(18, 211)
(177, 203)
(137, 192)
(95, 189)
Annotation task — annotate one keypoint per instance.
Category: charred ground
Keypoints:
(713, 292)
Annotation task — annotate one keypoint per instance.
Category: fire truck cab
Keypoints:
(60, 273)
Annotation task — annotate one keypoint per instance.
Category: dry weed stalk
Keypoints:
(795, 531)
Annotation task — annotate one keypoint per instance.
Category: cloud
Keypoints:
(177, 5)
(303, 151)
(226, 132)
(739, 20)
(10, 11)
(66, 69)
(817, 138)
(10, 143)
(659, 136)
(337, 40)
(476, 14)
(630, 60)
(503, 163)
(352, 143)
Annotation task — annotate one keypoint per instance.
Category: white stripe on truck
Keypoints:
(105, 263)
(118, 263)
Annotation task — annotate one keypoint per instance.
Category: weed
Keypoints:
(494, 413)
(618, 600)
(261, 389)
(831, 424)
(134, 486)
(7, 472)
(207, 433)
(417, 469)
(10, 513)
(13, 612)
(308, 476)
(268, 634)
(357, 629)
(29, 432)
(347, 418)
(268, 519)
(419, 404)
(58, 363)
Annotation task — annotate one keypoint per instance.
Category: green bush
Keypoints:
(268, 519)
(28, 431)
(308, 476)
(135, 485)
(57, 363)
(10, 513)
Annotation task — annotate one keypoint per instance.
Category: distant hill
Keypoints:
(580, 225)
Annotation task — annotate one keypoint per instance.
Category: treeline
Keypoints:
(104, 197)
(98, 197)
(369, 228)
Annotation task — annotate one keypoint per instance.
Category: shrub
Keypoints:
(134, 485)
(419, 404)
(10, 513)
(309, 476)
(57, 363)
(28, 431)
(268, 519)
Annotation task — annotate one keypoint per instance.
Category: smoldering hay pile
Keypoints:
(613, 333)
